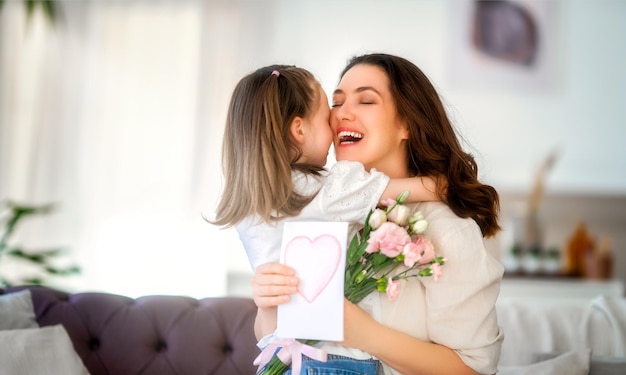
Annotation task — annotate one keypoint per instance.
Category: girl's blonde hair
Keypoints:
(258, 152)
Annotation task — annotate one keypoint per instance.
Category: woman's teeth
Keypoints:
(349, 137)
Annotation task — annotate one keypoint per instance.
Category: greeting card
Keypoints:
(317, 252)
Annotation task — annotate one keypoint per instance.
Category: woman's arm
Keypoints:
(272, 285)
(404, 353)
(462, 334)
(421, 189)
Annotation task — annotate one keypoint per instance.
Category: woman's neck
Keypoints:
(393, 168)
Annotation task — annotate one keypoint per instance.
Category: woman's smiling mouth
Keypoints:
(349, 137)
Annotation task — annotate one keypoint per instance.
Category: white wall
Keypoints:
(195, 64)
(581, 112)
(512, 129)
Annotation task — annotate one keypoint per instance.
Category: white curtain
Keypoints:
(115, 113)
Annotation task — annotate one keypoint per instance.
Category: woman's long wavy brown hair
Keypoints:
(258, 152)
(433, 146)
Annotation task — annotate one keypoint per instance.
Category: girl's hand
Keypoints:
(272, 284)
(356, 325)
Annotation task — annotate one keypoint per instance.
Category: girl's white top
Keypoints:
(346, 193)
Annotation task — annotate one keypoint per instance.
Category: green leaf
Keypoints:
(19, 211)
(72, 270)
(354, 252)
(30, 7)
(366, 228)
(19, 253)
(426, 272)
(27, 210)
(49, 8)
(38, 256)
(32, 281)
(379, 259)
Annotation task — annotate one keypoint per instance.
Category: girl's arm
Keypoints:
(424, 188)
(404, 353)
(272, 285)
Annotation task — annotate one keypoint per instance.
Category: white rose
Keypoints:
(400, 215)
(377, 218)
(419, 226)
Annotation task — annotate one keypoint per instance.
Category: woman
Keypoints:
(387, 115)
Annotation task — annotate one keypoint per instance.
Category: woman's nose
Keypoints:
(343, 113)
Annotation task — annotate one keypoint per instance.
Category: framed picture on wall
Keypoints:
(504, 44)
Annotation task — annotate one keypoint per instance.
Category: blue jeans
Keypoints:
(338, 365)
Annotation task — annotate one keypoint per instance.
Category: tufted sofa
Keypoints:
(154, 335)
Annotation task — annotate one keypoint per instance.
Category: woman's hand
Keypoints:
(272, 285)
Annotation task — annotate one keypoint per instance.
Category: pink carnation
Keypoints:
(412, 254)
(427, 250)
(393, 289)
(419, 251)
(389, 238)
(436, 271)
(388, 202)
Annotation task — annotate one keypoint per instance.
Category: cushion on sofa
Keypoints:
(16, 311)
(599, 365)
(561, 326)
(570, 363)
(39, 351)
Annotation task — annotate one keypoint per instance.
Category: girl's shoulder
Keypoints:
(346, 166)
(345, 169)
(307, 183)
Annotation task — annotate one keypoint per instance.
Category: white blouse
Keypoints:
(346, 193)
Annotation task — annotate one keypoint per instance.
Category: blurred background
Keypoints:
(113, 111)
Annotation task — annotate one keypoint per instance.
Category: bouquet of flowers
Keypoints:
(391, 237)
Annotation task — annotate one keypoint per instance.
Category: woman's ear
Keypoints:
(297, 130)
(404, 131)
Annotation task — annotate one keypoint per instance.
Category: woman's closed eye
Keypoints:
(367, 99)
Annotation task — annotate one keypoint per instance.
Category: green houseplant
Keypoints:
(49, 7)
(11, 214)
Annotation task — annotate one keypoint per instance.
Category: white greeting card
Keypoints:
(317, 252)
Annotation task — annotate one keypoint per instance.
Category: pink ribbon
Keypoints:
(290, 350)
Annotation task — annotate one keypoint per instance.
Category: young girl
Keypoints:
(276, 142)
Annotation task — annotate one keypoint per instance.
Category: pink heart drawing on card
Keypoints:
(315, 263)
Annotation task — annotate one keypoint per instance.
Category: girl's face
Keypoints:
(365, 122)
(318, 134)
